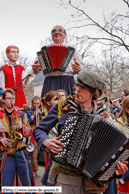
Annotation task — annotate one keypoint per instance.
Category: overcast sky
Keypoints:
(26, 22)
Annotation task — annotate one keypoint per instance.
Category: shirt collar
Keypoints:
(11, 64)
(2, 112)
(58, 44)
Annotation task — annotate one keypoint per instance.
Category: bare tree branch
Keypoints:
(127, 2)
(117, 39)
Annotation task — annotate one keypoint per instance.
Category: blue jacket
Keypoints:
(29, 113)
(40, 133)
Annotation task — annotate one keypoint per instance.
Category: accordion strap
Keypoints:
(66, 169)
(74, 104)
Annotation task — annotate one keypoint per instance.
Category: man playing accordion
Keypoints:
(56, 78)
(88, 89)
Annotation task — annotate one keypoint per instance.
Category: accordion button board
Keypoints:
(67, 137)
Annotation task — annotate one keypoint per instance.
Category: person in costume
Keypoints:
(33, 115)
(123, 118)
(58, 79)
(62, 93)
(12, 74)
(88, 87)
(1, 90)
(14, 160)
(48, 101)
(117, 105)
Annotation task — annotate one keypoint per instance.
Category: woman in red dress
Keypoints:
(12, 74)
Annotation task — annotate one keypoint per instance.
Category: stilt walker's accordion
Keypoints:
(92, 146)
(55, 57)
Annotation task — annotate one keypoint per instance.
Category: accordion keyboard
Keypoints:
(77, 143)
(68, 131)
(113, 167)
(76, 126)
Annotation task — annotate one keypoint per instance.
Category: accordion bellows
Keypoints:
(56, 54)
(55, 57)
(92, 146)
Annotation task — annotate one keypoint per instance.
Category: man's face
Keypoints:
(122, 95)
(83, 95)
(36, 103)
(9, 100)
(62, 95)
(13, 55)
(58, 37)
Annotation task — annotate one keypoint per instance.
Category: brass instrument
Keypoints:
(108, 102)
(106, 99)
(108, 105)
(37, 117)
(14, 135)
(30, 147)
(117, 99)
(41, 115)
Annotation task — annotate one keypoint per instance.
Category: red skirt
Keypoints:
(124, 188)
(20, 99)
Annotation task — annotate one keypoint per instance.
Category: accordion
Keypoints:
(92, 146)
(55, 57)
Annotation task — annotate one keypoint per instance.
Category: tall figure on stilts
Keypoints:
(65, 62)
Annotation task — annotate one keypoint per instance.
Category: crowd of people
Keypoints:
(30, 132)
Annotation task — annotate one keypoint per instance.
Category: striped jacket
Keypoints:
(5, 126)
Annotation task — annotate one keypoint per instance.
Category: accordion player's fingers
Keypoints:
(126, 162)
(76, 65)
(36, 66)
(122, 168)
(57, 138)
(55, 150)
(54, 145)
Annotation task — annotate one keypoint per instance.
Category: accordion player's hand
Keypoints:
(54, 145)
(36, 67)
(121, 167)
(76, 66)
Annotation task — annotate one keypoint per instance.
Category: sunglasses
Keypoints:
(60, 30)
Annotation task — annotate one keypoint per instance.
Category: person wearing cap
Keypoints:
(58, 79)
(88, 88)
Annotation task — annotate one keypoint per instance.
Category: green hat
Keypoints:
(89, 79)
